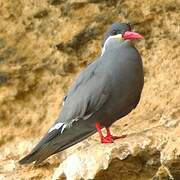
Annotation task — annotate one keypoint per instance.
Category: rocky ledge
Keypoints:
(44, 44)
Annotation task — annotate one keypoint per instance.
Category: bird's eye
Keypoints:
(114, 32)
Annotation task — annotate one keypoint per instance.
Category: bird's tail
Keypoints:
(57, 141)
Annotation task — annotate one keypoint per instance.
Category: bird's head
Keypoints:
(122, 31)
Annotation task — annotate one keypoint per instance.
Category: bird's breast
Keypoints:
(124, 66)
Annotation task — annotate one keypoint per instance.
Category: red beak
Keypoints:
(131, 35)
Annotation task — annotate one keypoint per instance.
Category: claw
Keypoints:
(109, 138)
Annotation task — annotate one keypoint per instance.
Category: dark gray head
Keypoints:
(118, 32)
(116, 28)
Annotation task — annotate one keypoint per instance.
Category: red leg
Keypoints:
(113, 137)
(107, 139)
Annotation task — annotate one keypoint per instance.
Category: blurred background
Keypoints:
(44, 44)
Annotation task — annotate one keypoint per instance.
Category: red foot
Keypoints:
(109, 138)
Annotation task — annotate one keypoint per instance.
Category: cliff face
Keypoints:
(44, 44)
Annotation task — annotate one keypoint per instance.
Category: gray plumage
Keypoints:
(105, 91)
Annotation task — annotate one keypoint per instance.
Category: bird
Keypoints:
(105, 91)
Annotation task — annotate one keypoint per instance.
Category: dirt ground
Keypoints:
(45, 44)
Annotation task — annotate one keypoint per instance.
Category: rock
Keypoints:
(3, 78)
(78, 40)
(109, 2)
(55, 2)
(44, 44)
(163, 173)
(122, 159)
(7, 53)
(41, 14)
(68, 67)
(2, 43)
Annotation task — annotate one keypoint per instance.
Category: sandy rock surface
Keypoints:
(45, 44)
